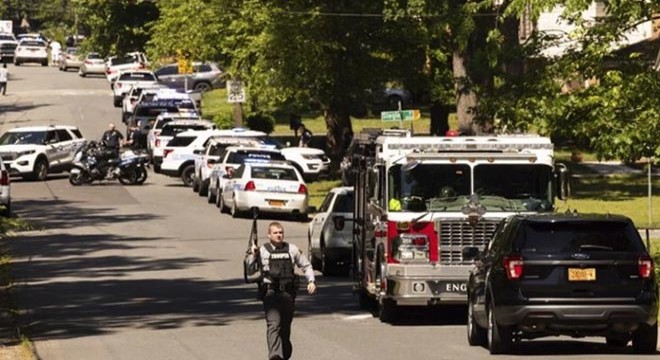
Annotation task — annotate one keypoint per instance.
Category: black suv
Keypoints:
(563, 274)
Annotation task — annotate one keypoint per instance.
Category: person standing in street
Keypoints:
(112, 140)
(305, 136)
(278, 286)
(4, 76)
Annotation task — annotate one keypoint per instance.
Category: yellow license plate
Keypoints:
(588, 274)
(275, 202)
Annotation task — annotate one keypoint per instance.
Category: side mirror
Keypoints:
(470, 252)
(312, 209)
(562, 181)
(198, 151)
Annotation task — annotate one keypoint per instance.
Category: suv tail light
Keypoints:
(250, 186)
(302, 189)
(645, 266)
(4, 178)
(513, 265)
(340, 222)
(167, 152)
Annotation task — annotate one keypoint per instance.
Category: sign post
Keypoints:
(236, 96)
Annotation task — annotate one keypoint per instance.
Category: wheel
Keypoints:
(44, 63)
(142, 176)
(17, 63)
(129, 177)
(195, 184)
(187, 175)
(616, 342)
(117, 101)
(387, 311)
(210, 197)
(203, 188)
(645, 339)
(157, 169)
(202, 87)
(40, 171)
(217, 197)
(77, 179)
(500, 338)
(221, 203)
(6, 211)
(82, 74)
(476, 334)
(235, 213)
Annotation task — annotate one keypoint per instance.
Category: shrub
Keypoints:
(224, 120)
(261, 122)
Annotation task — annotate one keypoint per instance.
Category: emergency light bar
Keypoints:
(476, 146)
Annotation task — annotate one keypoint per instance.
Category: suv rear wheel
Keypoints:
(645, 339)
(202, 86)
(187, 175)
(500, 338)
(475, 333)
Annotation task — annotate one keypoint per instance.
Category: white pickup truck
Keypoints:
(130, 61)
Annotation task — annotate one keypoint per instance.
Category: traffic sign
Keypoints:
(235, 92)
(400, 115)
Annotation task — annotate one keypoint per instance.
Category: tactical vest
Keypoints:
(280, 268)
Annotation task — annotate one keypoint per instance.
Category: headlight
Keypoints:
(411, 248)
(309, 157)
(25, 152)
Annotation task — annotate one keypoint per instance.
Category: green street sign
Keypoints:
(400, 115)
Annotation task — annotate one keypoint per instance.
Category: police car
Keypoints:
(269, 186)
(35, 151)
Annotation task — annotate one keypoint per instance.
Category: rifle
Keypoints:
(250, 274)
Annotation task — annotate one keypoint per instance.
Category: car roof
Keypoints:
(189, 122)
(573, 217)
(236, 132)
(269, 163)
(42, 128)
(234, 140)
(342, 189)
(178, 116)
(252, 148)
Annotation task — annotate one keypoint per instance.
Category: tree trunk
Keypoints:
(466, 99)
(340, 133)
(439, 119)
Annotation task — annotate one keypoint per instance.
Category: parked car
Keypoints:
(8, 46)
(180, 153)
(205, 76)
(177, 125)
(31, 51)
(35, 151)
(270, 187)
(93, 64)
(136, 94)
(70, 59)
(128, 79)
(311, 162)
(563, 274)
(330, 233)
(130, 61)
(5, 190)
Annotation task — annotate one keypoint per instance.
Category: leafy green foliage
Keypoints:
(261, 122)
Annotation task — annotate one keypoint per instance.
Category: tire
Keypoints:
(387, 311)
(645, 339)
(82, 74)
(187, 175)
(500, 338)
(40, 170)
(203, 188)
(222, 205)
(316, 263)
(195, 184)
(202, 87)
(476, 335)
(45, 63)
(116, 101)
(616, 342)
(210, 197)
(235, 213)
(142, 176)
(157, 169)
(364, 301)
(6, 211)
(77, 179)
(129, 177)
(217, 197)
(17, 63)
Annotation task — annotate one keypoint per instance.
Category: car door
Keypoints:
(66, 145)
(53, 149)
(168, 76)
(316, 226)
(231, 184)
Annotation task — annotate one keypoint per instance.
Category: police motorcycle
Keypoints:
(94, 162)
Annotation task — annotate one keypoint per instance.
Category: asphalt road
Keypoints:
(153, 272)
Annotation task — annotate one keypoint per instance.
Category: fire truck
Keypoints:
(421, 200)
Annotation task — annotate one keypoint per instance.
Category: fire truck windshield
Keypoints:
(447, 187)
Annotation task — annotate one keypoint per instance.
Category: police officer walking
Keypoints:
(278, 287)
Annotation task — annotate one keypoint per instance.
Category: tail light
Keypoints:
(250, 186)
(411, 248)
(302, 189)
(645, 266)
(157, 143)
(167, 152)
(141, 65)
(108, 71)
(340, 222)
(88, 62)
(513, 265)
(4, 178)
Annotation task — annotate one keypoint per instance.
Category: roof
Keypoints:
(42, 128)
(189, 121)
(253, 148)
(573, 217)
(342, 189)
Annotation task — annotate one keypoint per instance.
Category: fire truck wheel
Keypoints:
(387, 311)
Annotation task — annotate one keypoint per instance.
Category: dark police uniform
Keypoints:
(278, 292)
(112, 140)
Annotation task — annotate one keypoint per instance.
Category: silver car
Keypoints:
(330, 233)
(70, 59)
(93, 64)
(205, 76)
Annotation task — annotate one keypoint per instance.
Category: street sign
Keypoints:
(235, 92)
(400, 115)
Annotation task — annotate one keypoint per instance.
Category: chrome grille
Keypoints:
(8, 46)
(456, 235)
(8, 156)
